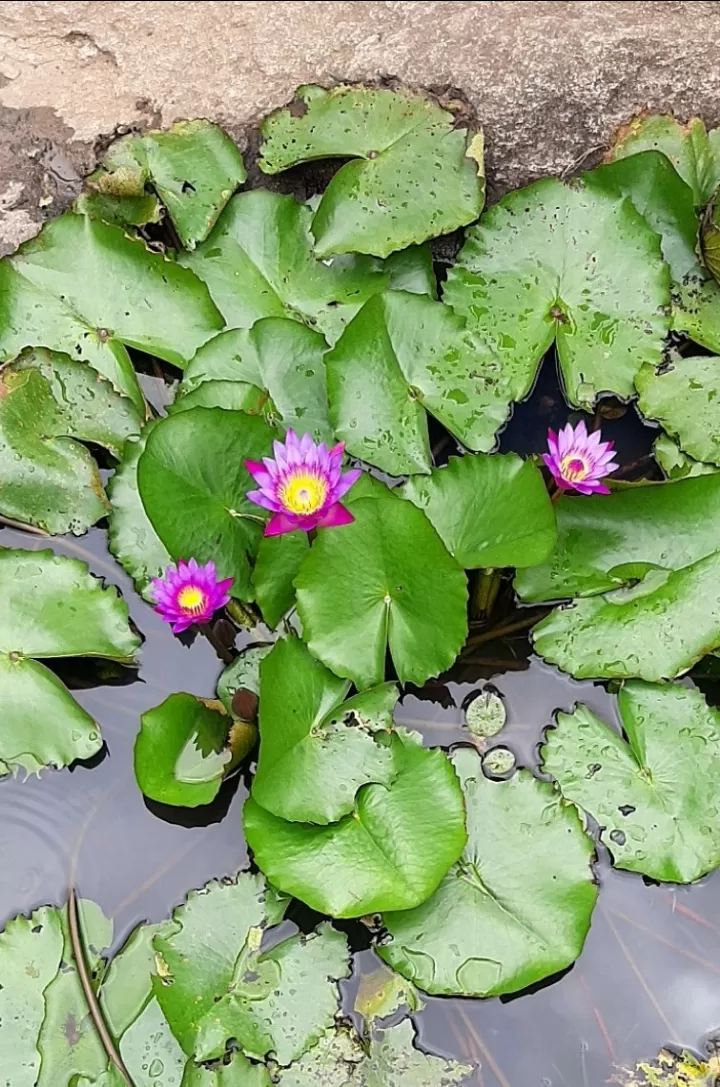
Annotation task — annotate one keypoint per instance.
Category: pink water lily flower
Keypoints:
(302, 485)
(189, 593)
(579, 461)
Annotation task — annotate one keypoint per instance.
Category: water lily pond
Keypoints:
(361, 611)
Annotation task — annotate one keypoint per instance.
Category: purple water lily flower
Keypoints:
(302, 485)
(578, 460)
(189, 593)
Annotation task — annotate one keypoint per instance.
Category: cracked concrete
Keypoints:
(549, 81)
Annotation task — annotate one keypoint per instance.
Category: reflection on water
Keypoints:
(650, 972)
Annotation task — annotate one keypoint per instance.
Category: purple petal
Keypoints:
(347, 481)
(336, 516)
(260, 498)
(281, 523)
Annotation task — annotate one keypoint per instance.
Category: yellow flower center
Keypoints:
(303, 493)
(192, 600)
(574, 468)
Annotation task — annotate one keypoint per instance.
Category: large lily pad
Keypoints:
(278, 563)
(52, 607)
(683, 398)
(47, 478)
(259, 262)
(404, 355)
(693, 151)
(488, 510)
(654, 630)
(193, 483)
(385, 581)
(150, 1052)
(655, 794)
(541, 268)
(676, 464)
(607, 541)
(414, 175)
(315, 750)
(277, 357)
(391, 852)
(87, 289)
(516, 907)
(193, 166)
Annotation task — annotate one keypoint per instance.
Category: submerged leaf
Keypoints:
(683, 398)
(390, 853)
(541, 268)
(516, 907)
(413, 174)
(382, 993)
(655, 795)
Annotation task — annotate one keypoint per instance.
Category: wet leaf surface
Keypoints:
(278, 563)
(676, 464)
(693, 151)
(683, 399)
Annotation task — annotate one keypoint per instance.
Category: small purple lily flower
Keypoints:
(189, 593)
(578, 460)
(302, 486)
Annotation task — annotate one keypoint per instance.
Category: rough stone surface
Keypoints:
(548, 81)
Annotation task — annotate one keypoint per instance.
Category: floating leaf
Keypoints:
(498, 762)
(488, 510)
(401, 356)
(710, 237)
(193, 483)
(393, 1061)
(278, 563)
(182, 752)
(412, 270)
(52, 607)
(198, 958)
(149, 1051)
(541, 268)
(671, 1070)
(244, 672)
(485, 714)
(654, 630)
(315, 750)
(277, 357)
(280, 1001)
(126, 987)
(390, 853)
(122, 211)
(676, 464)
(382, 993)
(414, 175)
(655, 796)
(47, 478)
(516, 907)
(193, 166)
(239, 1072)
(693, 151)
(605, 541)
(683, 398)
(87, 289)
(259, 262)
(333, 1062)
(132, 540)
(384, 581)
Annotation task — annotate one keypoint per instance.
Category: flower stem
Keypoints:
(222, 651)
(485, 592)
(504, 630)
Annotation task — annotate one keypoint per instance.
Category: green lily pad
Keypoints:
(197, 959)
(606, 541)
(485, 714)
(683, 398)
(654, 794)
(516, 907)
(132, 540)
(259, 262)
(541, 269)
(52, 607)
(333, 1062)
(244, 672)
(193, 483)
(182, 752)
(488, 510)
(122, 211)
(382, 993)
(87, 289)
(664, 200)
(193, 166)
(239, 1072)
(150, 1052)
(126, 988)
(394, 1061)
(277, 357)
(278, 563)
(413, 174)
(390, 853)
(412, 270)
(693, 151)
(676, 464)
(280, 1001)
(654, 630)
(385, 581)
(402, 356)
(48, 403)
(315, 750)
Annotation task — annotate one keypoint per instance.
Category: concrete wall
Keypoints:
(549, 81)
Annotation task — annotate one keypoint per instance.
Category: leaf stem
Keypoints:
(503, 631)
(8, 521)
(222, 651)
(486, 591)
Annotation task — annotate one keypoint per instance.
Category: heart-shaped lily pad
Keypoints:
(541, 268)
(390, 853)
(413, 174)
(52, 607)
(683, 398)
(316, 751)
(655, 793)
(385, 581)
(516, 907)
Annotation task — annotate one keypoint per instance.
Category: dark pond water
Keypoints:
(650, 971)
